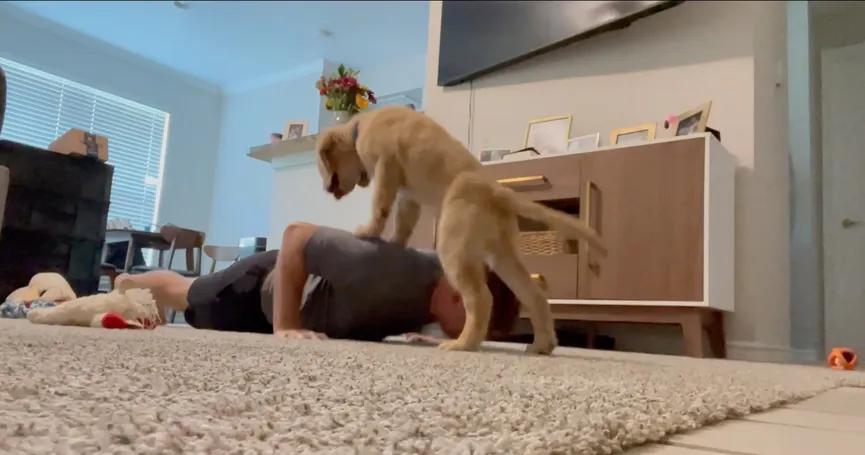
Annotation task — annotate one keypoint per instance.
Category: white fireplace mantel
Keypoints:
(286, 153)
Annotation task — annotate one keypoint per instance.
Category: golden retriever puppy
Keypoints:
(412, 162)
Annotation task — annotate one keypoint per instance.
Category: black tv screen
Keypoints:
(479, 37)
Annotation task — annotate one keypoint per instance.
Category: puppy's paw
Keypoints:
(543, 344)
(366, 230)
(459, 345)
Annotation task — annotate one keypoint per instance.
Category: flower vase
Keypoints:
(341, 117)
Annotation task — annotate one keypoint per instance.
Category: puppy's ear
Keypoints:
(326, 148)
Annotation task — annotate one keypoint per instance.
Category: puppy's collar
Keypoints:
(354, 132)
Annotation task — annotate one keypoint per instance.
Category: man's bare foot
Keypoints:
(125, 282)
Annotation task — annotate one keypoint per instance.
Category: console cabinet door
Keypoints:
(647, 204)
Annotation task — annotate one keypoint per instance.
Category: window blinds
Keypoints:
(41, 107)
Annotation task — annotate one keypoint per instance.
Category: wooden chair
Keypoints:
(221, 254)
(111, 272)
(178, 238)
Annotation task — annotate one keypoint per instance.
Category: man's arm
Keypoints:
(289, 277)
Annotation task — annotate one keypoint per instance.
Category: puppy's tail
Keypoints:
(567, 225)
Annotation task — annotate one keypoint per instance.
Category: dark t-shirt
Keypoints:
(364, 288)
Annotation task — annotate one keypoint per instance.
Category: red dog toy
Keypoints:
(842, 359)
(115, 321)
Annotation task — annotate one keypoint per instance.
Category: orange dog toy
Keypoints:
(842, 359)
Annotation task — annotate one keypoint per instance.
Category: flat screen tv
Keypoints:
(479, 37)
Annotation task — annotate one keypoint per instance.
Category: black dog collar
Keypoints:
(354, 132)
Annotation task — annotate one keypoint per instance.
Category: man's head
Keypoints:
(338, 162)
(447, 308)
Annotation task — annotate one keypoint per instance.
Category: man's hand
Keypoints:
(300, 335)
(421, 338)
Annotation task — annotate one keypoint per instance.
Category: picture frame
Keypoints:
(693, 121)
(493, 155)
(521, 154)
(548, 135)
(583, 143)
(295, 129)
(636, 134)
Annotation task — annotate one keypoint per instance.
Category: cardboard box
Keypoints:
(80, 142)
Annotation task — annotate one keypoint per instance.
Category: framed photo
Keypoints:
(493, 155)
(633, 134)
(295, 129)
(584, 143)
(548, 135)
(693, 121)
(521, 154)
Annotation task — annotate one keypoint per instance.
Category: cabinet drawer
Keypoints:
(557, 275)
(555, 177)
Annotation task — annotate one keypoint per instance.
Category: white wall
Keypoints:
(731, 53)
(242, 186)
(400, 75)
(194, 106)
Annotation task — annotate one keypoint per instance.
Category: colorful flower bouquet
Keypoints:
(342, 91)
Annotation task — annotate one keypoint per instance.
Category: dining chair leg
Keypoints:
(130, 254)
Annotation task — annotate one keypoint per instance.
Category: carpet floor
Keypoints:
(68, 390)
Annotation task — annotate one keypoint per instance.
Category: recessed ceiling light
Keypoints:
(181, 4)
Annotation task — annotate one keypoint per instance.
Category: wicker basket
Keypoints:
(543, 243)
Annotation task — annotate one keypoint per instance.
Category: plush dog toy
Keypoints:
(49, 287)
(134, 308)
(48, 299)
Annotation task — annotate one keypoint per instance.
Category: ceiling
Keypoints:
(232, 42)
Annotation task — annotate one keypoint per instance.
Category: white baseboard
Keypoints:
(760, 352)
(660, 339)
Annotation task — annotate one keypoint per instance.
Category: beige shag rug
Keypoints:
(67, 390)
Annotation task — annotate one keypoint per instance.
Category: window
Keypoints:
(41, 107)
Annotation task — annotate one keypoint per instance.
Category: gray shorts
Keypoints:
(230, 298)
